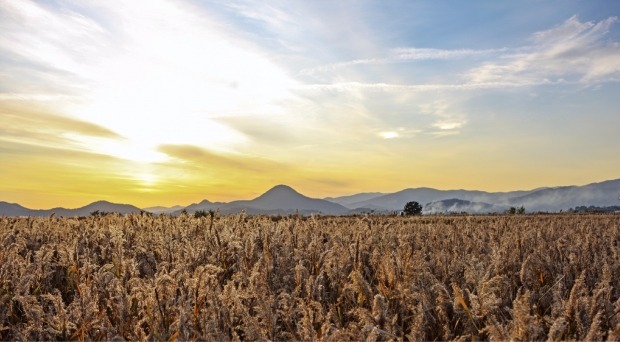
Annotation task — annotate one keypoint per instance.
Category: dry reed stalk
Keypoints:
(143, 277)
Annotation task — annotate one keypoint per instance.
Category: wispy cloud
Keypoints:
(413, 54)
(274, 17)
(131, 68)
(410, 54)
(201, 158)
(45, 47)
(448, 125)
(392, 87)
(389, 134)
(447, 119)
(275, 130)
(574, 51)
(24, 124)
(399, 133)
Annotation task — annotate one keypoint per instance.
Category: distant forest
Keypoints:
(595, 209)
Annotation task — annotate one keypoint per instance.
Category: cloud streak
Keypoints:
(32, 126)
(403, 55)
(131, 67)
(391, 87)
(571, 55)
(574, 52)
(201, 158)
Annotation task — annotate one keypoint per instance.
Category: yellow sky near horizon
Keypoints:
(50, 174)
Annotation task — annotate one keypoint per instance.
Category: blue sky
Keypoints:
(172, 101)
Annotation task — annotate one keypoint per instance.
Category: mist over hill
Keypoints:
(454, 205)
(551, 199)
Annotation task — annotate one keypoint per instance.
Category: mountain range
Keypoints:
(283, 199)
(280, 199)
(549, 199)
(13, 209)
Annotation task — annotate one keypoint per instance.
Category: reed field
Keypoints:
(238, 277)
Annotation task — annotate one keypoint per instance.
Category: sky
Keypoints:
(166, 102)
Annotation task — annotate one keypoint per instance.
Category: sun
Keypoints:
(147, 179)
(177, 84)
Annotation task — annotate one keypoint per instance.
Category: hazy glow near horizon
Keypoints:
(166, 102)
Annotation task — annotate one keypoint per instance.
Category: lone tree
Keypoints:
(412, 208)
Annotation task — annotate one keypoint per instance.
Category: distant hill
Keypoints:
(397, 200)
(283, 199)
(11, 209)
(346, 201)
(563, 198)
(203, 205)
(542, 199)
(280, 199)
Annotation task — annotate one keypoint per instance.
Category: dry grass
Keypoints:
(138, 277)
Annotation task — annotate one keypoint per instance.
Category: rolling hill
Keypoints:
(12, 209)
(542, 199)
(282, 199)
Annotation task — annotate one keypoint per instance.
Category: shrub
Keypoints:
(200, 213)
(412, 208)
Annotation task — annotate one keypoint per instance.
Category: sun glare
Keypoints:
(129, 150)
(147, 179)
(173, 82)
